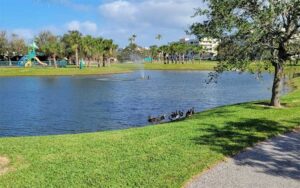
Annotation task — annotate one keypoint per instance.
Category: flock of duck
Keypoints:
(174, 116)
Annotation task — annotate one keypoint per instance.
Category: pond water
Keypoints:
(63, 105)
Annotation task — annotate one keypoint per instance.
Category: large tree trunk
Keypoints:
(275, 101)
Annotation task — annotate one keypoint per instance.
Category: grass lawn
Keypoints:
(116, 68)
(198, 65)
(165, 155)
(202, 65)
(70, 71)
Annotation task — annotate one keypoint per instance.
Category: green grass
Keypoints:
(166, 155)
(203, 65)
(70, 71)
(116, 68)
(198, 65)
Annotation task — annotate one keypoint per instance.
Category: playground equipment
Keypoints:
(148, 59)
(62, 63)
(30, 58)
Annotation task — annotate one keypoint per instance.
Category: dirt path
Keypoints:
(274, 163)
(4, 162)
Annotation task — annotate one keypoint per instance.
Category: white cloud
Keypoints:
(73, 25)
(86, 27)
(119, 19)
(89, 26)
(121, 11)
(151, 13)
(147, 18)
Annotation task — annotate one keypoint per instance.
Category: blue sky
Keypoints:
(115, 19)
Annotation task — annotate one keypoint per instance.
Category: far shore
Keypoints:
(114, 69)
(111, 69)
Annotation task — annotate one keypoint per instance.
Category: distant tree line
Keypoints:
(72, 46)
(176, 52)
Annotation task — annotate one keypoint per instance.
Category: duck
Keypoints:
(190, 112)
(156, 119)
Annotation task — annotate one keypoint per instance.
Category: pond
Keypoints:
(64, 105)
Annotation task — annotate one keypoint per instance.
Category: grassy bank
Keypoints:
(166, 155)
(70, 71)
(198, 65)
(116, 68)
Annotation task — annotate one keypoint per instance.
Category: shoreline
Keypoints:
(113, 69)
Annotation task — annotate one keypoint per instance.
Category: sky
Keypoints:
(114, 19)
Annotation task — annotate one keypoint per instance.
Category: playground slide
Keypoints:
(39, 61)
(22, 61)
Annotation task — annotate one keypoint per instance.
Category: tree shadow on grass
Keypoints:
(262, 105)
(235, 136)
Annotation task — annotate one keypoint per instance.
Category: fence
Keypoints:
(15, 64)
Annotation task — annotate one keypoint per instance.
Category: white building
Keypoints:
(209, 46)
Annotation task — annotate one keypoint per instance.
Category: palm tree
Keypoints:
(153, 52)
(73, 42)
(109, 50)
(88, 48)
(132, 39)
(164, 50)
(99, 50)
(158, 37)
(197, 50)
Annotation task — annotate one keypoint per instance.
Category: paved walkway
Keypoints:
(271, 164)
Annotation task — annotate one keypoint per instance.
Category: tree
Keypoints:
(88, 48)
(72, 42)
(132, 39)
(3, 43)
(196, 50)
(158, 37)
(164, 49)
(154, 52)
(16, 47)
(253, 28)
(99, 50)
(49, 44)
(109, 47)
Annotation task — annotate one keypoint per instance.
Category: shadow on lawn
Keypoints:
(235, 136)
(281, 157)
